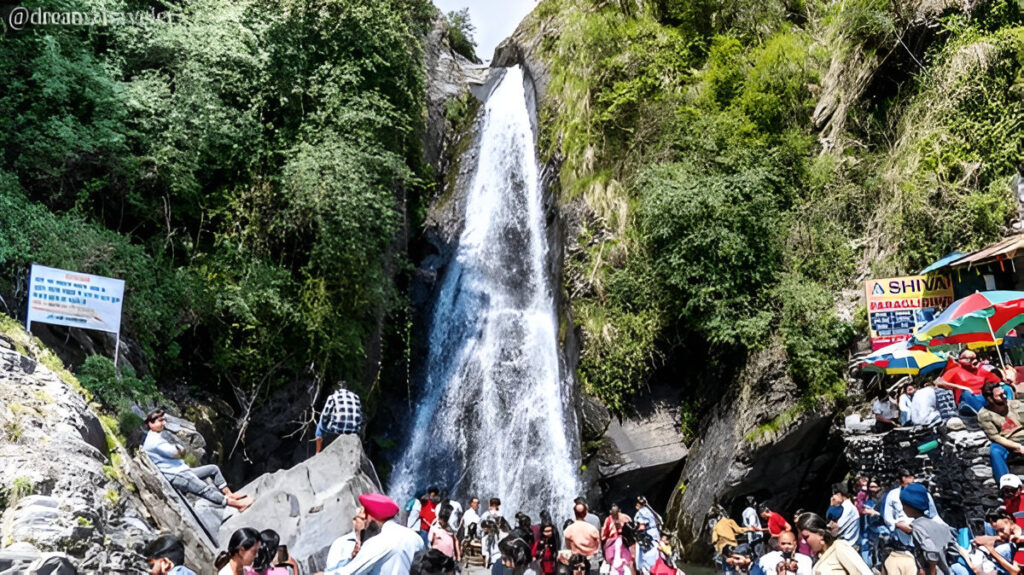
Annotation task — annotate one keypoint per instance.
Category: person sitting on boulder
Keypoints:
(390, 552)
(1001, 420)
(165, 555)
(1011, 492)
(167, 458)
(343, 413)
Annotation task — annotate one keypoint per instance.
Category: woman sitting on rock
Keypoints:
(243, 547)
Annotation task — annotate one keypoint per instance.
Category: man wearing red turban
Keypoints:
(390, 552)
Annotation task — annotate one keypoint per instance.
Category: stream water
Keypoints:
(495, 416)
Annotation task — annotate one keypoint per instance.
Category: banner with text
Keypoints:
(74, 299)
(898, 306)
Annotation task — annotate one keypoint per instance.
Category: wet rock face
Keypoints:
(958, 472)
(56, 494)
(744, 450)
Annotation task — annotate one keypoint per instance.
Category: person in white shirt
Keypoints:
(455, 521)
(848, 525)
(905, 399)
(166, 456)
(786, 560)
(752, 521)
(887, 415)
(345, 547)
(412, 520)
(391, 551)
(471, 517)
(924, 407)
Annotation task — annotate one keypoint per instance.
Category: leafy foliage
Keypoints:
(460, 34)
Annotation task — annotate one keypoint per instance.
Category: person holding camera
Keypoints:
(786, 560)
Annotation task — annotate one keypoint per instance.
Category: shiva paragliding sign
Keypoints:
(898, 306)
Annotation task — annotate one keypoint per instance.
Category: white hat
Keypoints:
(1009, 480)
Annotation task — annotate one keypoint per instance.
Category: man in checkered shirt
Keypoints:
(343, 413)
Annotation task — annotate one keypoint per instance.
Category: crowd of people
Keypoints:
(434, 534)
(967, 388)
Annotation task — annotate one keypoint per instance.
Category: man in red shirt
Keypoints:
(964, 373)
(776, 523)
(428, 512)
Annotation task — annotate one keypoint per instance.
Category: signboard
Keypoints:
(898, 306)
(74, 299)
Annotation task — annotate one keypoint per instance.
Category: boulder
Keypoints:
(311, 504)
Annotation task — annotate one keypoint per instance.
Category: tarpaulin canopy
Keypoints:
(1005, 249)
(942, 262)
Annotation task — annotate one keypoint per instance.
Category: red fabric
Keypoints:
(427, 514)
(378, 506)
(662, 568)
(776, 523)
(974, 379)
(1013, 505)
(547, 558)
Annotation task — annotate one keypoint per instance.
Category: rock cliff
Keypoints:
(59, 491)
(746, 449)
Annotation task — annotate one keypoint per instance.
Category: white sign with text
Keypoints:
(74, 299)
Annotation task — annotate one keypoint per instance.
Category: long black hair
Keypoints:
(243, 538)
(269, 542)
(815, 524)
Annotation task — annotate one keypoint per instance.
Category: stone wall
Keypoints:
(957, 472)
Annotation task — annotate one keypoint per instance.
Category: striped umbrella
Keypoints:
(979, 317)
(897, 359)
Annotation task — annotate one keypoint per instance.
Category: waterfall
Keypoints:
(495, 417)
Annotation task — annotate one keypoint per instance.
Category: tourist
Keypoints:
(412, 510)
(241, 552)
(428, 512)
(456, 519)
(833, 555)
(848, 524)
(611, 532)
(266, 562)
(786, 559)
(516, 556)
(886, 412)
(752, 522)
(582, 538)
(1011, 492)
(524, 529)
(726, 533)
(344, 548)
(545, 549)
(776, 522)
(924, 407)
(901, 560)
(1001, 421)
(872, 524)
(471, 519)
(578, 565)
(342, 414)
(165, 555)
(621, 555)
(905, 400)
(441, 536)
(433, 562)
(736, 559)
(493, 510)
(648, 526)
(167, 458)
(489, 539)
(391, 551)
(591, 518)
(1004, 543)
(932, 539)
(966, 380)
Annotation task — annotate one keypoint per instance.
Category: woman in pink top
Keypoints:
(267, 555)
(441, 538)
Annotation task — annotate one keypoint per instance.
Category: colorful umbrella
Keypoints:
(979, 317)
(897, 359)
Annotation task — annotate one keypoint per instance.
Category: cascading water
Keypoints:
(495, 418)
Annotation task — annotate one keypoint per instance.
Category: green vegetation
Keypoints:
(244, 166)
(715, 218)
(460, 34)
